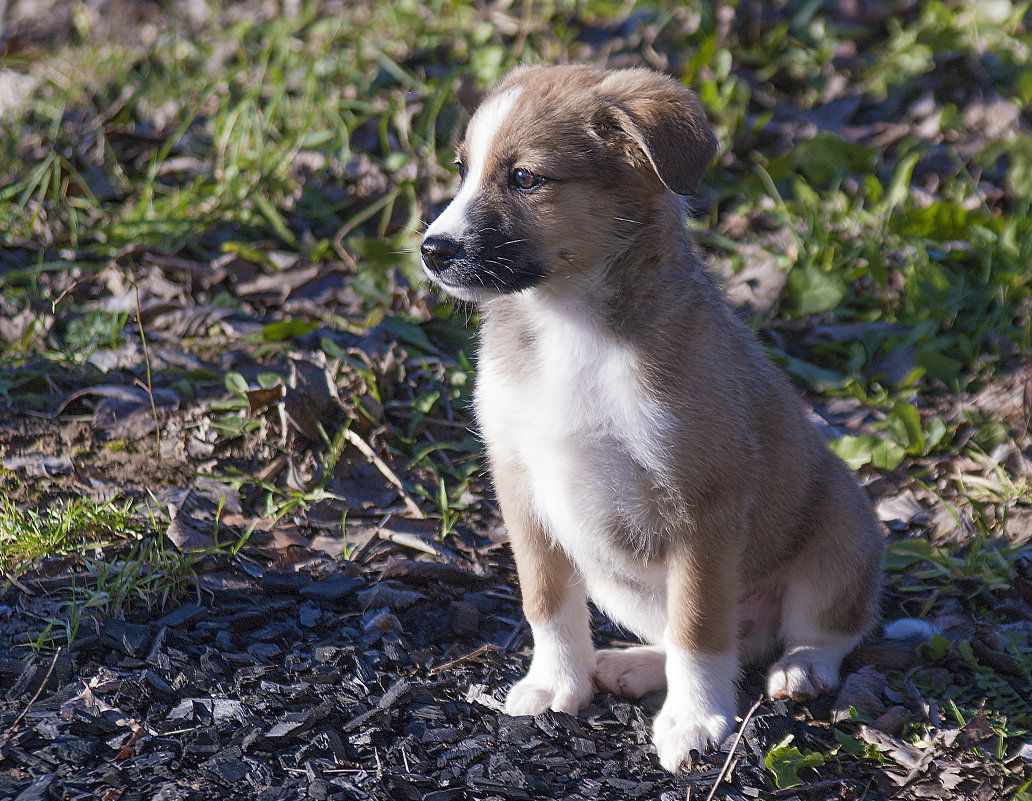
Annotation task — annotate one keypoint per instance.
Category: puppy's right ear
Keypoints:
(661, 120)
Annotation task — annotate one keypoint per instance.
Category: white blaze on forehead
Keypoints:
(480, 136)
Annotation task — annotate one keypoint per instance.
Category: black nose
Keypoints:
(439, 252)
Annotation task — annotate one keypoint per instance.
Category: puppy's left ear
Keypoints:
(664, 120)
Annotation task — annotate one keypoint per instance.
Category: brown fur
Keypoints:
(544, 571)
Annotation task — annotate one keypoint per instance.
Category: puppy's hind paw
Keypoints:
(532, 696)
(676, 736)
(632, 672)
(800, 676)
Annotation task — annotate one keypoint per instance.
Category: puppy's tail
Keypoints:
(910, 628)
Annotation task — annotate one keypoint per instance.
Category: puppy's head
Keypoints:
(561, 167)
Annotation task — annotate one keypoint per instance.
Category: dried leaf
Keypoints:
(38, 464)
(260, 399)
(863, 691)
(902, 753)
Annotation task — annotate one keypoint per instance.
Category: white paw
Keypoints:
(800, 675)
(630, 671)
(676, 735)
(533, 695)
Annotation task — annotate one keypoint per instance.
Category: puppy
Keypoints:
(645, 453)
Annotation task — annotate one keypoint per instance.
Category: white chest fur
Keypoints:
(582, 424)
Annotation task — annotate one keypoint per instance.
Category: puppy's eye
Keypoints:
(522, 178)
(462, 169)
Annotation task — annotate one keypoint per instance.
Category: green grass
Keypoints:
(120, 562)
(68, 527)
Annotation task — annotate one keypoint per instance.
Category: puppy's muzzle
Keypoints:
(440, 252)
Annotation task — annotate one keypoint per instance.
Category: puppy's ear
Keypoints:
(663, 120)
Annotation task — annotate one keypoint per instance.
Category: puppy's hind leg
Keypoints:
(633, 672)
(810, 663)
(832, 594)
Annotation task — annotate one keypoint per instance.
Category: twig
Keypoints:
(150, 385)
(389, 474)
(512, 637)
(39, 692)
(526, 17)
(734, 745)
(417, 543)
(808, 788)
(483, 649)
(54, 305)
(14, 582)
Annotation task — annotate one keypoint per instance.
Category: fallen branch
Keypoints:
(382, 466)
(806, 789)
(39, 692)
(734, 745)
(150, 384)
(483, 649)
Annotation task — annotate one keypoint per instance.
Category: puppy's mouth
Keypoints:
(449, 283)
(469, 270)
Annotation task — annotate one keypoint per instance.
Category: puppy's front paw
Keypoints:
(677, 734)
(532, 695)
(801, 675)
(630, 671)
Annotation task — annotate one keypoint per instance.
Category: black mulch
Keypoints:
(352, 686)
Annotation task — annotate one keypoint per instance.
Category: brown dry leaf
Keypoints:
(863, 691)
(892, 719)
(258, 400)
(129, 396)
(38, 465)
(931, 790)
(899, 511)
(977, 730)
(300, 416)
(286, 536)
(993, 650)
(311, 400)
(901, 753)
(226, 581)
(317, 384)
(186, 320)
(290, 556)
(419, 573)
(237, 520)
(281, 543)
(951, 776)
(278, 284)
(758, 285)
(187, 535)
(335, 546)
(1006, 397)
(198, 514)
